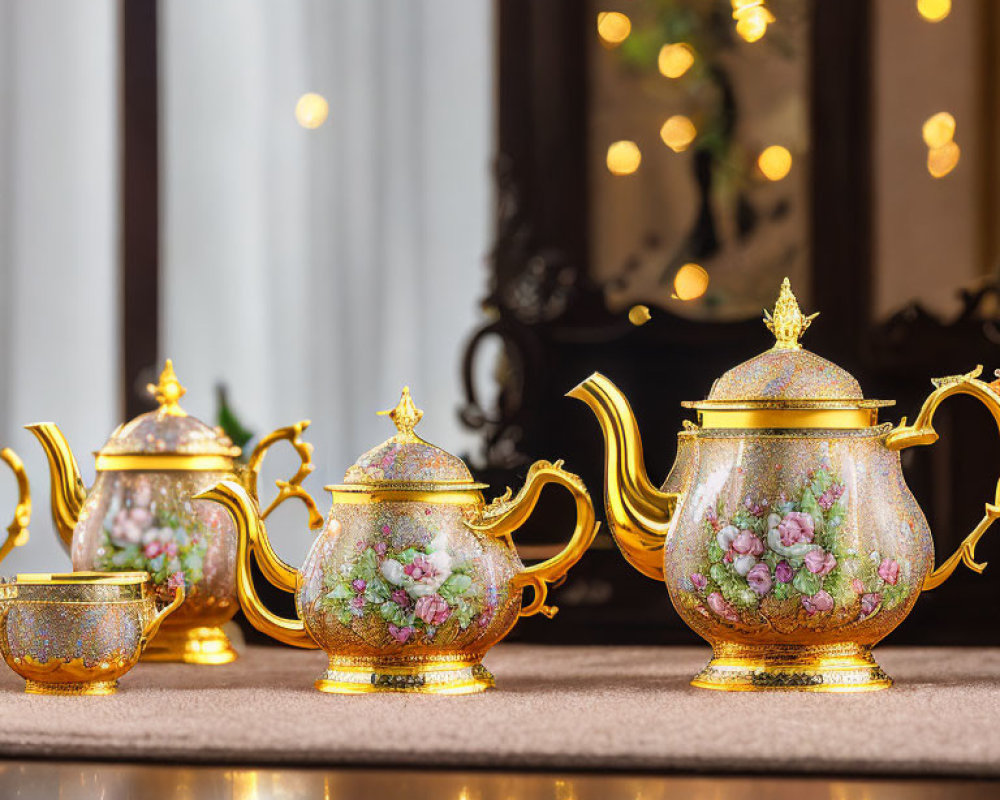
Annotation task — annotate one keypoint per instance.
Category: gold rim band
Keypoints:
(153, 462)
(374, 496)
(776, 419)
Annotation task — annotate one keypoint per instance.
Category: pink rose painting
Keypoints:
(869, 602)
(888, 571)
(718, 604)
(820, 563)
(759, 579)
(819, 603)
(796, 528)
(699, 581)
(748, 544)
(432, 609)
(783, 572)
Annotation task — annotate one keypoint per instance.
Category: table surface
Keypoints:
(555, 708)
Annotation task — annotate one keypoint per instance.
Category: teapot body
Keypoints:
(146, 520)
(794, 545)
(401, 583)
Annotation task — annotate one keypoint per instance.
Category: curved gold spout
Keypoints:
(252, 538)
(68, 491)
(638, 513)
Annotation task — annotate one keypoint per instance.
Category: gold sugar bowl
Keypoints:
(785, 532)
(140, 516)
(414, 576)
(17, 531)
(77, 633)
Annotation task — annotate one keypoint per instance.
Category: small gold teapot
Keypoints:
(77, 633)
(413, 577)
(139, 514)
(17, 531)
(785, 532)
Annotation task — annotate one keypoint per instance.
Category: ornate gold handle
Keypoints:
(505, 515)
(17, 531)
(154, 624)
(922, 432)
(289, 488)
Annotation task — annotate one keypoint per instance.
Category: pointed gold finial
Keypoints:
(787, 322)
(406, 415)
(168, 391)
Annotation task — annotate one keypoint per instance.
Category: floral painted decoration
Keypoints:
(413, 593)
(159, 535)
(773, 559)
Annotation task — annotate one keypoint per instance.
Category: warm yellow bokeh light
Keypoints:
(678, 132)
(942, 160)
(752, 22)
(690, 282)
(624, 157)
(311, 110)
(675, 59)
(934, 10)
(775, 162)
(613, 27)
(939, 129)
(639, 315)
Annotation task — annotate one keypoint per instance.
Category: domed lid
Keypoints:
(408, 462)
(787, 376)
(168, 431)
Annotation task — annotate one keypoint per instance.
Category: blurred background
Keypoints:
(308, 204)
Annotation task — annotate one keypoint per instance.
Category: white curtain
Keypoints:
(59, 310)
(315, 272)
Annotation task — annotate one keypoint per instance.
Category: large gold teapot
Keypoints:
(785, 532)
(17, 531)
(414, 577)
(139, 514)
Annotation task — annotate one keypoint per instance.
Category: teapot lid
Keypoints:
(167, 431)
(787, 377)
(405, 461)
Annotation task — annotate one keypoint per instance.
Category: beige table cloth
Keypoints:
(559, 708)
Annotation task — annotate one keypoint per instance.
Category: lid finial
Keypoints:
(787, 322)
(406, 415)
(168, 391)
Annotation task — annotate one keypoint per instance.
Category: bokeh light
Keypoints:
(613, 27)
(939, 129)
(639, 315)
(752, 18)
(775, 162)
(690, 282)
(311, 111)
(623, 157)
(934, 10)
(678, 132)
(675, 59)
(942, 160)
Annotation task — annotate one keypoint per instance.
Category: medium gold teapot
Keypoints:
(17, 531)
(785, 532)
(414, 577)
(139, 514)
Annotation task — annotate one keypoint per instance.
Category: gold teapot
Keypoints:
(139, 514)
(414, 577)
(77, 633)
(785, 532)
(17, 531)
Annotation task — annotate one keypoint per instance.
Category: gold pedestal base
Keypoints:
(75, 689)
(825, 668)
(190, 646)
(361, 676)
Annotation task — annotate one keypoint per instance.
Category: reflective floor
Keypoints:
(72, 780)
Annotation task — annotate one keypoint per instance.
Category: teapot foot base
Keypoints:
(821, 668)
(206, 646)
(74, 689)
(420, 676)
